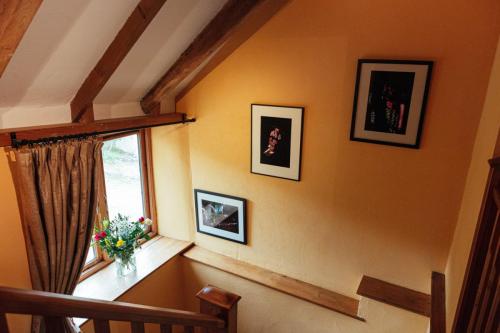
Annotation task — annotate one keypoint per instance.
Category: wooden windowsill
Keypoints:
(105, 285)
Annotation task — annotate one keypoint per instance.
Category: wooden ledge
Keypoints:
(395, 295)
(154, 254)
(305, 291)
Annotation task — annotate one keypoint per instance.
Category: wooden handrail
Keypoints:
(21, 301)
(293, 287)
(395, 295)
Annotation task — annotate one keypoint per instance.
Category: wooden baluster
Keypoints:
(222, 304)
(137, 327)
(164, 328)
(101, 326)
(4, 327)
(54, 324)
(188, 329)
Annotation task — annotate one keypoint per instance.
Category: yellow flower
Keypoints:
(120, 243)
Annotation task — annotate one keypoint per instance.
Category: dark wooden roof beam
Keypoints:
(128, 35)
(15, 18)
(232, 20)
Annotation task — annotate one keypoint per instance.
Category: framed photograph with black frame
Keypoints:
(389, 101)
(221, 215)
(276, 140)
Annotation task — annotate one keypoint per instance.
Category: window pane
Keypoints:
(91, 255)
(122, 173)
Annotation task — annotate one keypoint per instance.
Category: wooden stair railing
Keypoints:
(218, 311)
(432, 306)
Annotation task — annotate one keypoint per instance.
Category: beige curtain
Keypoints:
(57, 186)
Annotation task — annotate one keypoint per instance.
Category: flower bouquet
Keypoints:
(119, 238)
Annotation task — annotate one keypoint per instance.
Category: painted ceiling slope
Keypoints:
(174, 28)
(62, 45)
(67, 38)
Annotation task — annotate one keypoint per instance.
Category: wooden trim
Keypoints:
(15, 18)
(148, 155)
(145, 157)
(101, 260)
(128, 35)
(395, 295)
(482, 264)
(305, 291)
(249, 25)
(89, 271)
(438, 303)
(220, 28)
(42, 303)
(144, 175)
(97, 127)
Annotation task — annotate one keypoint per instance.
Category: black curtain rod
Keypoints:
(18, 143)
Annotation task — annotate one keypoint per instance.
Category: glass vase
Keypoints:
(125, 264)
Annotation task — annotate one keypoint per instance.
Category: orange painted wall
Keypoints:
(14, 270)
(360, 208)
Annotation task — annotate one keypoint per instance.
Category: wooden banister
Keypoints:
(51, 305)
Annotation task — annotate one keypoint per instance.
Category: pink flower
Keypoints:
(141, 219)
(100, 235)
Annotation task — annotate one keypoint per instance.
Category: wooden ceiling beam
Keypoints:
(97, 127)
(252, 22)
(128, 35)
(15, 18)
(228, 22)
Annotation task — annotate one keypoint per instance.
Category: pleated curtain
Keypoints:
(57, 185)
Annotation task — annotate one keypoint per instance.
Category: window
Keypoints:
(125, 158)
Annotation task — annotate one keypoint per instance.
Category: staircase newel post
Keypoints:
(222, 304)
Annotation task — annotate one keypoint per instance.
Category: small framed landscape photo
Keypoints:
(221, 215)
(389, 101)
(276, 140)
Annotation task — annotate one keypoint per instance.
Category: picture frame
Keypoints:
(221, 215)
(276, 140)
(390, 100)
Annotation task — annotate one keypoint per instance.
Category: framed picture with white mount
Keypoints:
(276, 143)
(221, 215)
(389, 101)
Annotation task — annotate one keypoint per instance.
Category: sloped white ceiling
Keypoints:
(63, 43)
(171, 32)
(67, 38)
